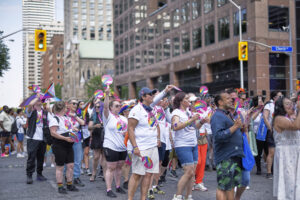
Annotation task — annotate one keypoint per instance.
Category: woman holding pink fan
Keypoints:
(114, 148)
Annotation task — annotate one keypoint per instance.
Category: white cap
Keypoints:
(193, 98)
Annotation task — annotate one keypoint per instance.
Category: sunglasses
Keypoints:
(74, 103)
(97, 106)
(117, 106)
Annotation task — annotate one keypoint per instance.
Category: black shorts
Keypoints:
(270, 139)
(114, 156)
(4, 134)
(97, 138)
(63, 152)
(86, 142)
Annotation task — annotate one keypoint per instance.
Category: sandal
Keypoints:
(93, 178)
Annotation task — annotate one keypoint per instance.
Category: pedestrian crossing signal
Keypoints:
(40, 40)
(243, 51)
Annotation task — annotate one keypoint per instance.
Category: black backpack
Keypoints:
(14, 128)
(48, 139)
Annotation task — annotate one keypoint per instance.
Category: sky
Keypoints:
(11, 84)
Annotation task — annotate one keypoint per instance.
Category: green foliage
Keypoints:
(4, 57)
(58, 88)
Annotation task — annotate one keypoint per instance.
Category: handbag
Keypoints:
(202, 140)
(262, 130)
(48, 139)
(252, 140)
(247, 161)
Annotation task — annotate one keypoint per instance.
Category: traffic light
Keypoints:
(40, 40)
(243, 51)
(297, 85)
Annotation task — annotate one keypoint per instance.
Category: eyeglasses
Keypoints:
(117, 106)
(74, 103)
(97, 106)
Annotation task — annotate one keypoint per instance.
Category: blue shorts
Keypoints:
(20, 137)
(162, 151)
(187, 155)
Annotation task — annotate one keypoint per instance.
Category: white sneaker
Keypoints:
(44, 165)
(247, 188)
(13, 152)
(23, 154)
(201, 187)
(52, 165)
(19, 155)
(177, 197)
(189, 197)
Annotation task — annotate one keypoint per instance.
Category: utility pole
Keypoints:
(23, 29)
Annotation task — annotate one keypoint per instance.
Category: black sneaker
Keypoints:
(29, 179)
(40, 177)
(78, 182)
(100, 174)
(173, 174)
(125, 185)
(62, 190)
(120, 190)
(163, 178)
(269, 176)
(160, 183)
(72, 188)
(111, 194)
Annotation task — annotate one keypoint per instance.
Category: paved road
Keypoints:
(13, 186)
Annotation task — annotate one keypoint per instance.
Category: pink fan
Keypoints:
(177, 88)
(200, 106)
(74, 137)
(237, 104)
(203, 90)
(107, 80)
(147, 162)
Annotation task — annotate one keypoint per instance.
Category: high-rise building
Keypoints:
(88, 27)
(36, 14)
(297, 28)
(53, 62)
(192, 43)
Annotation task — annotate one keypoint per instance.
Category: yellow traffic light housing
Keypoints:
(243, 51)
(40, 40)
(297, 85)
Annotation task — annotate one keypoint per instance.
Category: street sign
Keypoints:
(282, 49)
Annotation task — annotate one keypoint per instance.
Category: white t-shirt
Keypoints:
(185, 137)
(271, 107)
(206, 128)
(63, 124)
(20, 123)
(7, 121)
(85, 131)
(161, 118)
(115, 128)
(145, 131)
(256, 123)
(167, 135)
(38, 135)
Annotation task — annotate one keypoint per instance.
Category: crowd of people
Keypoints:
(138, 140)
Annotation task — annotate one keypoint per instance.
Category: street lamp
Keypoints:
(288, 29)
(240, 33)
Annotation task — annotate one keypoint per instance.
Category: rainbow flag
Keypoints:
(84, 111)
(50, 92)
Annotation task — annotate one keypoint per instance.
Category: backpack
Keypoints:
(14, 128)
(48, 139)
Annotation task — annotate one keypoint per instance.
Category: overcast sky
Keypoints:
(11, 84)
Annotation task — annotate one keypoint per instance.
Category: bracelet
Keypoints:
(135, 147)
(187, 123)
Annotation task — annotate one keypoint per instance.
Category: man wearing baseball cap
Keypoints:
(144, 136)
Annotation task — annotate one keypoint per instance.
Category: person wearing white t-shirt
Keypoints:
(268, 118)
(184, 124)
(36, 147)
(20, 134)
(144, 136)
(60, 128)
(115, 152)
(5, 126)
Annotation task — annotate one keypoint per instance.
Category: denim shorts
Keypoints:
(162, 151)
(20, 137)
(245, 178)
(187, 155)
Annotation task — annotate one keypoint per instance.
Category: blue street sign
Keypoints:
(282, 49)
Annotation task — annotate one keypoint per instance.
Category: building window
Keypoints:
(158, 52)
(57, 55)
(116, 48)
(58, 77)
(117, 67)
(167, 48)
(176, 18)
(166, 23)
(137, 60)
(131, 41)
(176, 46)
(236, 22)
(208, 5)
(277, 71)
(137, 37)
(100, 33)
(126, 43)
(151, 54)
(92, 33)
(88, 74)
(197, 38)
(222, 2)
(131, 63)
(185, 14)
(144, 35)
(150, 30)
(126, 64)
(121, 46)
(159, 26)
(185, 37)
(223, 26)
(196, 8)
(209, 34)
(58, 62)
(145, 58)
(58, 69)
(121, 66)
(278, 18)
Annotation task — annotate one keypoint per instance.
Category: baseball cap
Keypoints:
(145, 91)
(193, 98)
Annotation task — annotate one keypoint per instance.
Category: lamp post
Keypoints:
(288, 29)
(240, 33)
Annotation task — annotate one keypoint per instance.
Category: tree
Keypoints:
(4, 57)
(57, 88)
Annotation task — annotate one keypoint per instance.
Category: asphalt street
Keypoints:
(13, 185)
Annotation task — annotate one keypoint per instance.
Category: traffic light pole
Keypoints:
(23, 29)
(240, 33)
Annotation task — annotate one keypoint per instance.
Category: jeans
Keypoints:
(78, 156)
(36, 151)
(245, 178)
(187, 155)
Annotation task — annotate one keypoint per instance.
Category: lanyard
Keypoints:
(39, 117)
(121, 125)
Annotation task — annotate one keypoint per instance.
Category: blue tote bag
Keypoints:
(262, 130)
(247, 161)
